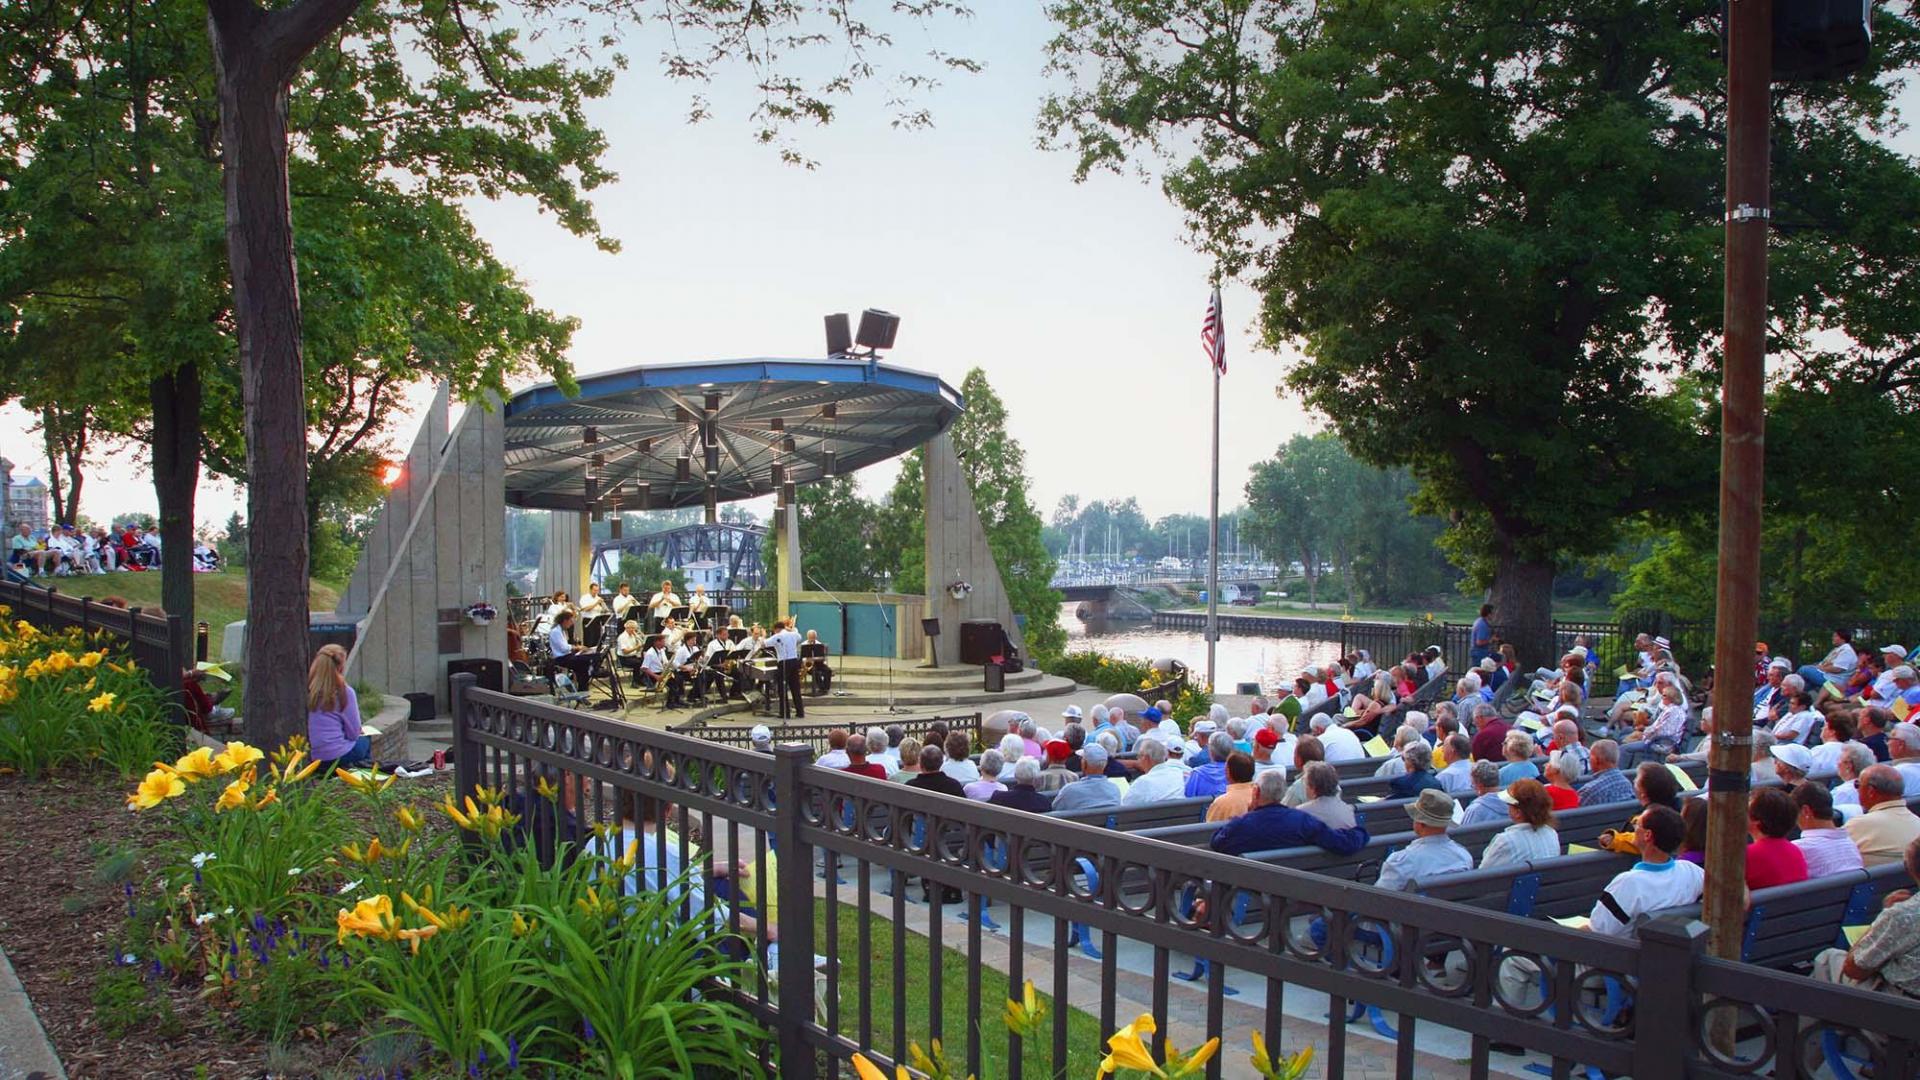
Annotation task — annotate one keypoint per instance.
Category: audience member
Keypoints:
(1824, 758)
(1531, 836)
(1061, 768)
(1161, 778)
(1306, 750)
(1657, 881)
(1693, 813)
(333, 712)
(1855, 759)
(1431, 853)
(1271, 824)
(1884, 827)
(909, 760)
(1024, 793)
(1824, 845)
(1321, 782)
(1772, 859)
(1563, 771)
(1873, 731)
(1492, 736)
(836, 755)
(1487, 807)
(1903, 753)
(1211, 778)
(1093, 790)
(958, 763)
(1887, 956)
(1457, 778)
(1607, 784)
(1517, 750)
(933, 777)
(857, 762)
(1653, 785)
(1419, 775)
(989, 783)
(1237, 799)
(1338, 743)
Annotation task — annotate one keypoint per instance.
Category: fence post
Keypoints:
(176, 665)
(795, 875)
(1664, 1036)
(466, 760)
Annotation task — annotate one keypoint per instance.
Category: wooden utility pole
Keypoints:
(1742, 460)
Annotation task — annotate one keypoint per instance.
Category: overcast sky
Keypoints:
(1080, 300)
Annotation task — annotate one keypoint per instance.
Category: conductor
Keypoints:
(786, 649)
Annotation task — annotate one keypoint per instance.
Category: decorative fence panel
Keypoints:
(1072, 898)
(816, 735)
(158, 643)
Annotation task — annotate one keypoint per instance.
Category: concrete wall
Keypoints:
(565, 557)
(957, 550)
(438, 546)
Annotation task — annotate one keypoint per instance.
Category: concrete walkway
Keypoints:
(25, 1052)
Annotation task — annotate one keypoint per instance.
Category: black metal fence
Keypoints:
(158, 643)
(815, 736)
(1076, 902)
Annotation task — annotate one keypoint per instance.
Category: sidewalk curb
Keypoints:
(25, 1052)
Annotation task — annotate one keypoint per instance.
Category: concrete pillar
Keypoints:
(957, 549)
(786, 538)
(583, 556)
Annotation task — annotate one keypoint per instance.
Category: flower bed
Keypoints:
(1129, 675)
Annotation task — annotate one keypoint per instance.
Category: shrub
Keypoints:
(67, 700)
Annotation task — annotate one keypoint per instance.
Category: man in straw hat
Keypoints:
(1432, 852)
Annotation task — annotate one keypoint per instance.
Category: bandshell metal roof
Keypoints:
(619, 442)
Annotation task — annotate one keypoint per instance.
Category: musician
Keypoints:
(631, 647)
(672, 631)
(741, 647)
(653, 663)
(715, 659)
(813, 663)
(663, 602)
(698, 603)
(685, 668)
(786, 649)
(623, 601)
(547, 618)
(593, 614)
(578, 662)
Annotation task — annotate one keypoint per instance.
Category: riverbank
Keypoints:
(1458, 612)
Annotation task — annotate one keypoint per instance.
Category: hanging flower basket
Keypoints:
(481, 613)
(959, 590)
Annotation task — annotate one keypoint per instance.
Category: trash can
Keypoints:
(420, 706)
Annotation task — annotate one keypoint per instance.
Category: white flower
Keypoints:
(349, 887)
(229, 911)
(202, 859)
(204, 918)
(293, 871)
(129, 958)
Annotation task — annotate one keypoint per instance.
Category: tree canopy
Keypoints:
(1492, 233)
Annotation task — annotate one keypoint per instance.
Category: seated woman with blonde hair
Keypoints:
(333, 712)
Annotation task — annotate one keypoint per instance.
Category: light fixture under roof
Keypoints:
(683, 468)
(712, 400)
(830, 410)
(590, 436)
(827, 461)
(777, 424)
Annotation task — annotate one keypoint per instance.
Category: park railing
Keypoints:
(156, 642)
(1101, 920)
(815, 736)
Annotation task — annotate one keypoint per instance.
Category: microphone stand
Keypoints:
(845, 635)
(888, 623)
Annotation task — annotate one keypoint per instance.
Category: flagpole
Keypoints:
(1213, 532)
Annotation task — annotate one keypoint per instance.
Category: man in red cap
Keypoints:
(1264, 741)
(1057, 774)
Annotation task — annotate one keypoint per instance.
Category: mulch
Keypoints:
(59, 925)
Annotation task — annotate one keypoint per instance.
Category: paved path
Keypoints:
(25, 1053)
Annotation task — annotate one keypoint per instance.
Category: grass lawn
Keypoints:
(218, 598)
(1084, 1037)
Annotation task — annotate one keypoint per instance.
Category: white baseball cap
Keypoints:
(1071, 712)
(1896, 650)
(1793, 754)
(1781, 662)
(761, 733)
(1205, 726)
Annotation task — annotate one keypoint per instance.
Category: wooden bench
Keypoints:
(1788, 925)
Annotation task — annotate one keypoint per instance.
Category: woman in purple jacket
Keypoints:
(333, 712)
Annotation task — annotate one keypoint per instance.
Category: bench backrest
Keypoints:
(1543, 888)
(1788, 925)
(1145, 816)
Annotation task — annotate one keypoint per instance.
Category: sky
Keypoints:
(1080, 300)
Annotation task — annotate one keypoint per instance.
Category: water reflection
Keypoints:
(1270, 661)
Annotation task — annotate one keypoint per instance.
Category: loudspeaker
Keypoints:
(839, 335)
(930, 627)
(981, 640)
(878, 328)
(996, 679)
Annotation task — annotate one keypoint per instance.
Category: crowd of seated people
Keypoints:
(67, 550)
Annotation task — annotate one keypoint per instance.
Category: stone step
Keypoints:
(924, 683)
(915, 696)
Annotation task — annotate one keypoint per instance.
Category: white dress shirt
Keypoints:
(557, 642)
(786, 645)
(1167, 780)
(1520, 842)
(1341, 744)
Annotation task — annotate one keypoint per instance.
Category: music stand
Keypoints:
(609, 663)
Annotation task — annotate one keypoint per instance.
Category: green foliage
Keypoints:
(645, 573)
(123, 1002)
(232, 544)
(996, 471)
(65, 700)
(1128, 675)
(837, 545)
(1495, 239)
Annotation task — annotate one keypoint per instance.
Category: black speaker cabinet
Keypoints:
(981, 640)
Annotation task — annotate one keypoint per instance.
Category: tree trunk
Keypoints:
(175, 398)
(266, 302)
(53, 466)
(1310, 567)
(1522, 599)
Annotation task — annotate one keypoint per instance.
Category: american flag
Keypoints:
(1213, 334)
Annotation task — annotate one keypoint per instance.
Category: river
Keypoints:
(1270, 661)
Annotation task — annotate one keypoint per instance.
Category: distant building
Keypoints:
(26, 500)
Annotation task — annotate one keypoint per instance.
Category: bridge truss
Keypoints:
(735, 547)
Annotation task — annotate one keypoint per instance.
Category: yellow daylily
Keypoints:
(294, 748)
(409, 820)
(593, 906)
(197, 765)
(452, 917)
(1126, 1050)
(92, 659)
(234, 797)
(489, 796)
(521, 925)
(272, 796)
(1279, 1069)
(159, 786)
(624, 865)
(372, 917)
(236, 756)
(374, 853)
(1194, 1064)
(466, 820)
(372, 783)
(103, 702)
(545, 789)
(1025, 1015)
(867, 1070)
(294, 772)
(414, 937)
